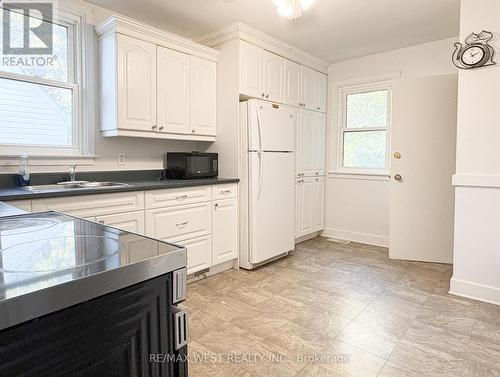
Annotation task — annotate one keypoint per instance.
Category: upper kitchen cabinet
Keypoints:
(274, 87)
(203, 96)
(136, 78)
(307, 99)
(155, 84)
(320, 85)
(293, 83)
(251, 70)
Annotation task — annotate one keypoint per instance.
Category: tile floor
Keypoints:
(339, 310)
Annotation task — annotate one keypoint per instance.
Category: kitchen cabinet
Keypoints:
(203, 97)
(274, 74)
(129, 221)
(225, 230)
(251, 70)
(136, 83)
(310, 144)
(155, 84)
(320, 85)
(307, 85)
(293, 81)
(199, 253)
(319, 204)
(173, 91)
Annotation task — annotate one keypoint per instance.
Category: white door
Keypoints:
(203, 83)
(199, 253)
(173, 91)
(319, 143)
(224, 230)
(422, 198)
(319, 203)
(251, 70)
(136, 84)
(271, 127)
(308, 87)
(320, 91)
(271, 210)
(130, 222)
(274, 85)
(293, 75)
(307, 139)
(307, 206)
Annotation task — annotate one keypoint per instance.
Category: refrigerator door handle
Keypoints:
(261, 167)
(259, 127)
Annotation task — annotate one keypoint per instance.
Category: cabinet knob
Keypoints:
(216, 205)
(154, 127)
(263, 95)
(193, 130)
(317, 108)
(398, 177)
(101, 221)
(160, 128)
(267, 95)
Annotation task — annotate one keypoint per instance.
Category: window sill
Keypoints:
(7, 160)
(383, 176)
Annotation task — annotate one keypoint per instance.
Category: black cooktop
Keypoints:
(43, 250)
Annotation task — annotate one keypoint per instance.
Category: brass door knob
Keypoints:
(398, 177)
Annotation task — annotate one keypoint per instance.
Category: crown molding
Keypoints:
(124, 25)
(239, 30)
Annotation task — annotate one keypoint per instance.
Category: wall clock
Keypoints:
(476, 52)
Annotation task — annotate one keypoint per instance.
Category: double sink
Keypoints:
(75, 185)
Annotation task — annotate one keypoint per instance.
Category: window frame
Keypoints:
(81, 72)
(343, 93)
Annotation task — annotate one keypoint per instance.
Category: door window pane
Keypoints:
(367, 110)
(364, 149)
(33, 114)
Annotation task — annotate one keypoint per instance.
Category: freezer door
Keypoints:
(271, 205)
(271, 127)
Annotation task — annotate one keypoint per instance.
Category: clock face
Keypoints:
(473, 55)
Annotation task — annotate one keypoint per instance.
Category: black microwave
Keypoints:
(191, 165)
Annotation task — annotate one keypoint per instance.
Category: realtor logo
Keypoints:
(34, 21)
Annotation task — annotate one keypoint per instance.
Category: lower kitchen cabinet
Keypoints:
(130, 222)
(224, 230)
(309, 205)
(199, 253)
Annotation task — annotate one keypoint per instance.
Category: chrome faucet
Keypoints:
(72, 172)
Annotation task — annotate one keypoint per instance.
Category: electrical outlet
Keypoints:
(121, 158)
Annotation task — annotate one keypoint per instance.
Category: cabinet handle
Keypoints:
(182, 225)
(262, 95)
(154, 128)
(267, 95)
(193, 130)
(181, 197)
(216, 205)
(317, 108)
(161, 128)
(101, 221)
(317, 179)
(225, 191)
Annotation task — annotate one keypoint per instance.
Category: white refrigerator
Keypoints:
(267, 135)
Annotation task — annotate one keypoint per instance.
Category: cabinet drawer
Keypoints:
(25, 205)
(224, 191)
(175, 197)
(130, 221)
(199, 253)
(92, 205)
(179, 223)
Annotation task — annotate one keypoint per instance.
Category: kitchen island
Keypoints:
(81, 298)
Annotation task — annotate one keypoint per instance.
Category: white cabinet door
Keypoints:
(203, 96)
(319, 204)
(293, 94)
(224, 230)
(320, 91)
(173, 91)
(136, 84)
(307, 88)
(307, 206)
(199, 253)
(298, 142)
(130, 222)
(274, 68)
(298, 206)
(307, 139)
(251, 70)
(319, 143)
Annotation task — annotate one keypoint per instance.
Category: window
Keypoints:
(41, 105)
(365, 115)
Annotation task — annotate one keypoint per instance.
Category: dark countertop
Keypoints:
(18, 193)
(50, 261)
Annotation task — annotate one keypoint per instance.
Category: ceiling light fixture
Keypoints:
(292, 8)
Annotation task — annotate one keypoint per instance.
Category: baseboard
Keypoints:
(306, 237)
(475, 291)
(370, 239)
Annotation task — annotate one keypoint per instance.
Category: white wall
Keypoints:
(476, 270)
(358, 209)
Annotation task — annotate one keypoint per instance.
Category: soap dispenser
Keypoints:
(23, 175)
